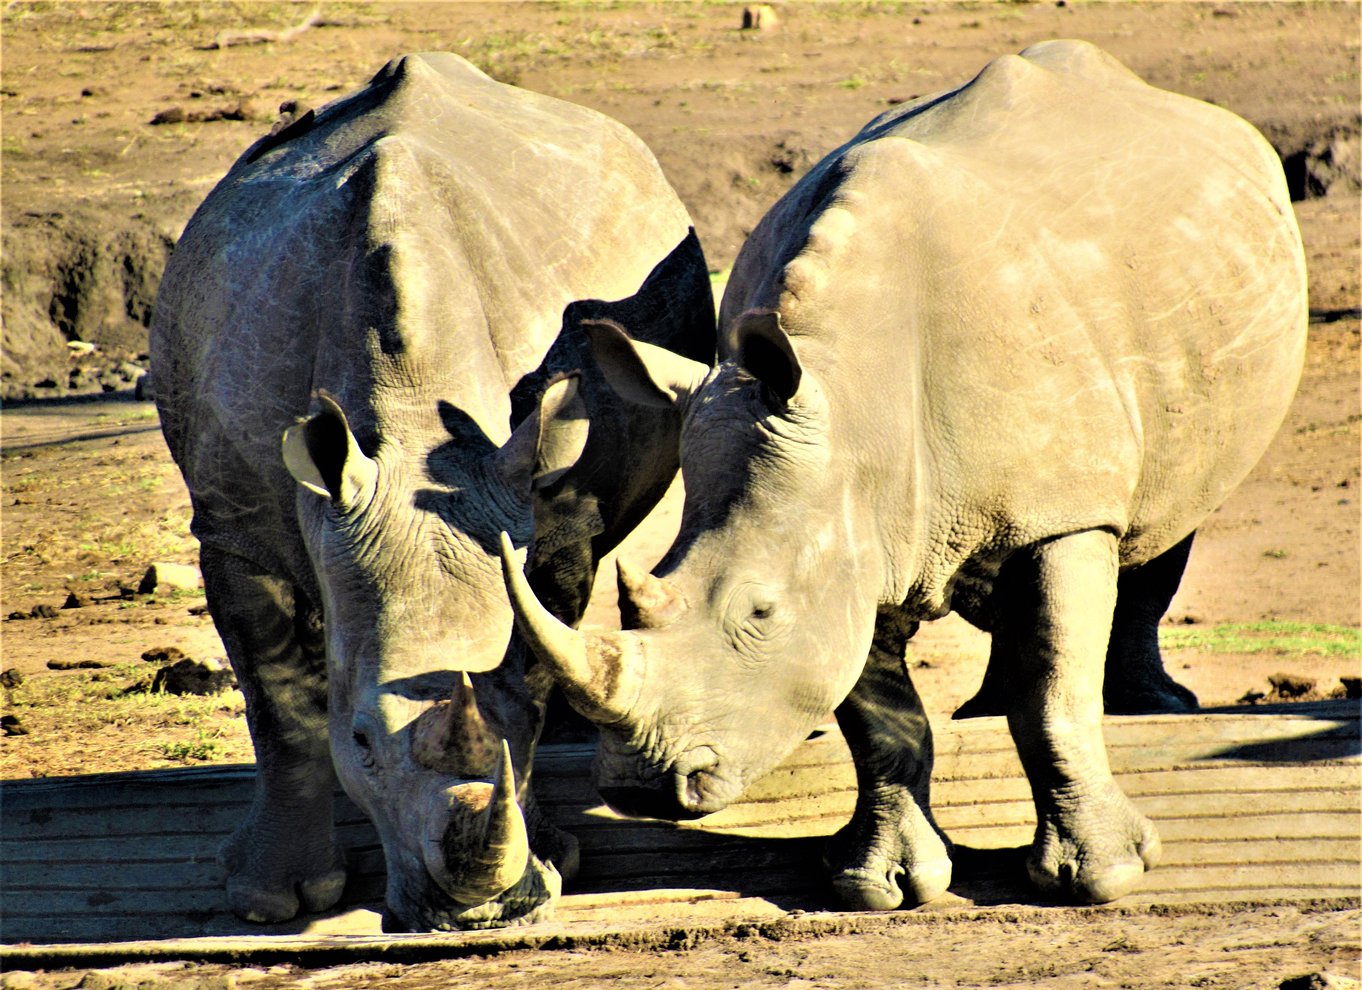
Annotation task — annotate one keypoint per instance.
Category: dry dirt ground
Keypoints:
(118, 118)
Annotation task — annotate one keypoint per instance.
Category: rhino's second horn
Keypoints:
(645, 601)
(453, 737)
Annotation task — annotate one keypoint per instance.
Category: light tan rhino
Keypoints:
(1001, 353)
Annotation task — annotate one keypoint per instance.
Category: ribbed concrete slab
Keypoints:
(1253, 804)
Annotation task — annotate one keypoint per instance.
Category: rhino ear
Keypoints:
(640, 372)
(323, 456)
(761, 347)
(549, 441)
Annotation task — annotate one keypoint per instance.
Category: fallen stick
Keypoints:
(226, 38)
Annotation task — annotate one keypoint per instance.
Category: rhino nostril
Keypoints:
(693, 794)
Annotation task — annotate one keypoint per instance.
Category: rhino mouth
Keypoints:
(639, 801)
(529, 900)
(690, 788)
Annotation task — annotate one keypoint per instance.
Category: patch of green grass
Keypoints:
(88, 705)
(1275, 638)
(205, 746)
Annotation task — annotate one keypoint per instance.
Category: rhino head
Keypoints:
(758, 620)
(433, 721)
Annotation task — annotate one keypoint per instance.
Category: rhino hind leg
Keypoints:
(1136, 682)
(1091, 845)
(283, 857)
(994, 691)
(891, 853)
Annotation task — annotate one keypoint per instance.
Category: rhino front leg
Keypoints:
(891, 852)
(1091, 844)
(1136, 682)
(283, 856)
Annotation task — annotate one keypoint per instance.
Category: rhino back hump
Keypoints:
(416, 246)
(1080, 297)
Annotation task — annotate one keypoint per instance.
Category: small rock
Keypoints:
(166, 654)
(142, 390)
(43, 612)
(1352, 687)
(166, 576)
(170, 115)
(77, 665)
(1252, 697)
(1290, 686)
(198, 610)
(1320, 981)
(11, 726)
(74, 599)
(193, 677)
(18, 616)
(11, 678)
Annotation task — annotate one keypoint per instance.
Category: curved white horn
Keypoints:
(589, 669)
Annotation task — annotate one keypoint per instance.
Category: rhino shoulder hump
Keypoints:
(1079, 58)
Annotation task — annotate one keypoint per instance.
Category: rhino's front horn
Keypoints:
(484, 847)
(453, 737)
(645, 601)
(599, 675)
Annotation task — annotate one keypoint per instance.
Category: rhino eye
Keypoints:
(763, 610)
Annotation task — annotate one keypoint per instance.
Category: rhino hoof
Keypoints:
(926, 882)
(322, 893)
(1168, 698)
(866, 890)
(262, 907)
(1113, 881)
(267, 907)
(982, 705)
(869, 890)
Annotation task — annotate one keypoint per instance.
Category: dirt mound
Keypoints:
(77, 278)
(1330, 164)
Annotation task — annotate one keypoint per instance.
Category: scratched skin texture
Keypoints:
(410, 269)
(1001, 353)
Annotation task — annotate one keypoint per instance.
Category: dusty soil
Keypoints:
(95, 193)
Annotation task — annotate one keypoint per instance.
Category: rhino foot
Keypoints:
(1096, 856)
(1154, 693)
(891, 886)
(269, 888)
(885, 870)
(269, 906)
(982, 705)
(1143, 693)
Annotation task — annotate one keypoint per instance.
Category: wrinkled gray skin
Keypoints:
(352, 324)
(999, 354)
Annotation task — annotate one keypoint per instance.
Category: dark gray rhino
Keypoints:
(1000, 354)
(366, 352)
